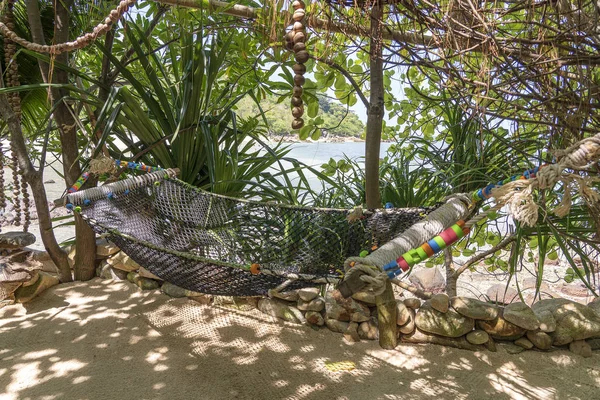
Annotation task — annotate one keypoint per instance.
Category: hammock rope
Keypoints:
(220, 245)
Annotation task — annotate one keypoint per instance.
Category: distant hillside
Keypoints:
(279, 117)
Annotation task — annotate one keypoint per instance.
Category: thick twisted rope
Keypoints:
(518, 195)
(456, 208)
(80, 42)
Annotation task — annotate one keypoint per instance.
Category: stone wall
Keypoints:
(461, 322)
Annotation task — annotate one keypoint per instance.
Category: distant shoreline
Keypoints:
(290, 138)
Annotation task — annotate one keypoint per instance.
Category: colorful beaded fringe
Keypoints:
(426, 250)
(79, 182)
(486, 192)
(136, 166)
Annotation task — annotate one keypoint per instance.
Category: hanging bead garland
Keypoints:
(2, 195)
(12, 80)
(26, 205)
(295, 41)
(16, 188)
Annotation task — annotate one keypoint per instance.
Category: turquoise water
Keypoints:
(315, 154)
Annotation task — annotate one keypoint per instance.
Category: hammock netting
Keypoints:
(207, 243)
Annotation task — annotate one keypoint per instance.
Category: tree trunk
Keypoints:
(375, 111)
(386, 318)
(451, 278)
(85, 256)
(34, 179)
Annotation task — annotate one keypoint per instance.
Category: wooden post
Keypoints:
(386, 315)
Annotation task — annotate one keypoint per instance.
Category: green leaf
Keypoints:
(313, 109)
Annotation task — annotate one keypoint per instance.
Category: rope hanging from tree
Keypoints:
(514, 192)
(8, 32)
(12, 80)
(295, 41)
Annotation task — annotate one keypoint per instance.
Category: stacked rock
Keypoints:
(295, 41)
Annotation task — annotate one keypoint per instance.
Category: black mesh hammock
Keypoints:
(225, 246)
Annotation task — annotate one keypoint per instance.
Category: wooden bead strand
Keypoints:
(16, 188)
(295, 41)
(2, 187)
(26, 204)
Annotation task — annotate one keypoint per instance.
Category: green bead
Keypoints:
(77, 209)
(458, 230)
(422, 254)
(440, 242)
(364, 253)
(157, 183)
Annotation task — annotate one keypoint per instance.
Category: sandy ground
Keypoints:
(108, 340)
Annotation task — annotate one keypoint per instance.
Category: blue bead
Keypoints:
(126, 191)
(131, 164)
(87, 202)
(390, 265)
(434, 246)
(393, 274)
(389, 205)
(110, 195)
(69, 206)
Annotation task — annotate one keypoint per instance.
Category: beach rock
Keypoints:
(449, 324)
(409, 326)
(491, 345)
(413, 303)
(474, 308)
(521, 315)
(105, 271)
(500, 328)
(172, 290)
(15, 272)
(132, 276)
(345, 309)
(547, 321)
(541, 340)
(402, 313)
(290, 295)
(314, 318)
(16, 240)
(581, 348)
(147, 274)
(512, 348)
(351, 333)
(524, 343)
(42, 257)
(123, 262)
(574, 321)
(440, 302)
(428, 279)
(280, 309)
(368, 330)
(336, 326)
(501, 294)
(594, 343)
(365, 297)
(478, 337)
(104, 248)
(595, 305)
(26, 294)
(34, 278)
(146, 283)
(307, 294)
(7, 290)
(316, 304)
